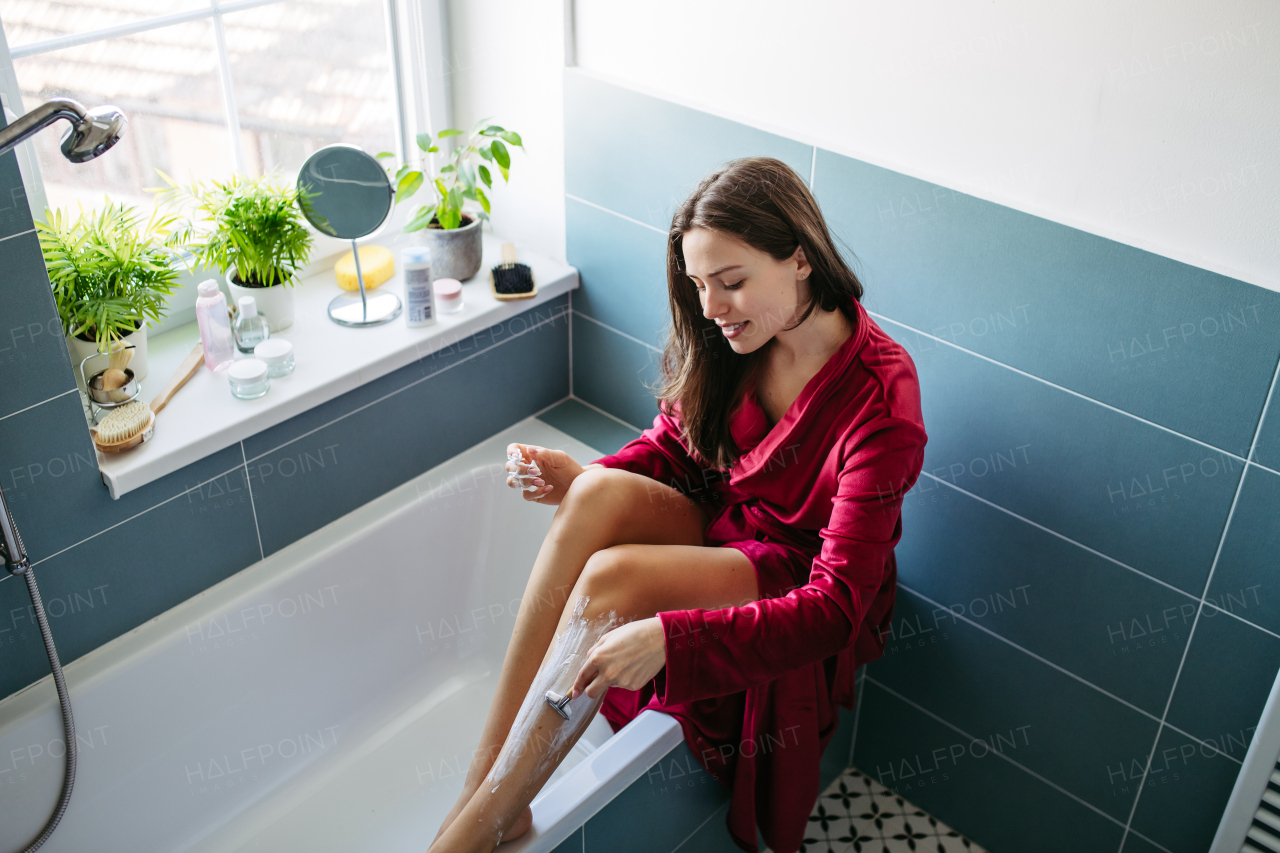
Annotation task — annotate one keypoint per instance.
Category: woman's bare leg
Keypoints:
(618, 584)
(603, 507)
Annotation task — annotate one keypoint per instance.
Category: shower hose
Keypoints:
(23, 569)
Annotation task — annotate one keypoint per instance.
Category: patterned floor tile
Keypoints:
(858, 814)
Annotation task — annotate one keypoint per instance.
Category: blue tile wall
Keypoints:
(107, 566)
(1101, 488)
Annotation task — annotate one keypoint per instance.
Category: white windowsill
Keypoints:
(203, 417)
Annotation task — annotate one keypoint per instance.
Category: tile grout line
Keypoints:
(615, 213)
(31, 230)
(37, 405)
(618, 332)
(205, 482)
(1062, 388)
(1191, 635)
(136, 515)
(1017, 764)
(1068, 673)
(1061, 536)
(596, 408)
(813, 166)
(857, 712)
(409, 385)
(953, 346)
(566, 398)
(570, 343)
(1098, 553)
(262, 555)
(984, 629)
(715, 812)
(1262, 418)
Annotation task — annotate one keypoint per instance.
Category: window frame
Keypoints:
(416, 48)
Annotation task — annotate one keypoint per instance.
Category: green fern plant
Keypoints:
(252, 224)
(460, 179)
(110, 271)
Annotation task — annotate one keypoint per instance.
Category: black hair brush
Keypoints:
(510, 280)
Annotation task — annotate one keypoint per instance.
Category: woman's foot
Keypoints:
(523, 824)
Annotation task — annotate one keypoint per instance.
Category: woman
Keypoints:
(733, 565)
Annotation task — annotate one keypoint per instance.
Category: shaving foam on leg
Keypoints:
(558, 672)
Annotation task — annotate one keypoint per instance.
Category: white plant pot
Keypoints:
(274, 303)
(80, 350)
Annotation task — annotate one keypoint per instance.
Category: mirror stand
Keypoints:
(347, 310)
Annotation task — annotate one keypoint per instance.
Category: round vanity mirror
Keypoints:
(346, 193)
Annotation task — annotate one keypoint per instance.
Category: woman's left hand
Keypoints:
(629, 656)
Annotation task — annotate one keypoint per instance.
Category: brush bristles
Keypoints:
(124, 423)
(512, 278)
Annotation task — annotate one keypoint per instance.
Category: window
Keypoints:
(208, 86)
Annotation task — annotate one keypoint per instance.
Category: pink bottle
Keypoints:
(215, 326)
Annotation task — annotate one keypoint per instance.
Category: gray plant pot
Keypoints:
(454, 253)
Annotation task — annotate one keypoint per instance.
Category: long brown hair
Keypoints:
(763, 203)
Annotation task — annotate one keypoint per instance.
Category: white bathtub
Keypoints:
(327, 698)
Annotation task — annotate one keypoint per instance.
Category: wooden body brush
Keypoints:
(133, 423)
(511, 280)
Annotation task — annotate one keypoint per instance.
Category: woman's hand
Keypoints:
(629, 657)
(551, 471)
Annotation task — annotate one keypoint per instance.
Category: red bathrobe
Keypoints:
(815, 504)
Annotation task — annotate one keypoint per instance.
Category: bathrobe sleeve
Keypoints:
(718, 652)
(660, 454)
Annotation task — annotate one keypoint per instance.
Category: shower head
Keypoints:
(92, 131)
(99, 130)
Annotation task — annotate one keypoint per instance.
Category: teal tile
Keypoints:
(970, 787)
(615, 373)
(622, 267)
(1110, 626)
(661, 809)
(1137, 330)
(15, 211)
(52, 484)
(33, 351)
(1135, 843)
(588, 426)
(1046, 721)
(129, 574)
(713, 836)
(305, 484)
(550, 315)
(836, 756)
(1225, 681)
(1185, 794)
(1147, 497)
(641, 156)
(1245, 581)
(1267, 451)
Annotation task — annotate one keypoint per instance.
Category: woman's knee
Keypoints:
(606, 580)
(596, 489)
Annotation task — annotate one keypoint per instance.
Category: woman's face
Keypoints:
(749, 295)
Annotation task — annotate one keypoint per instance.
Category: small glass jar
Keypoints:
(277, 355)
(248, 378)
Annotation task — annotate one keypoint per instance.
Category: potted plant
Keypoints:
(452, 234)
(110, 274)
(250, 230)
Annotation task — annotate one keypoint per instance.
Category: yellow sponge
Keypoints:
(377, 264)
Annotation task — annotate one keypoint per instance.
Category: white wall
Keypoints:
(506, 61)
(1154, 123)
